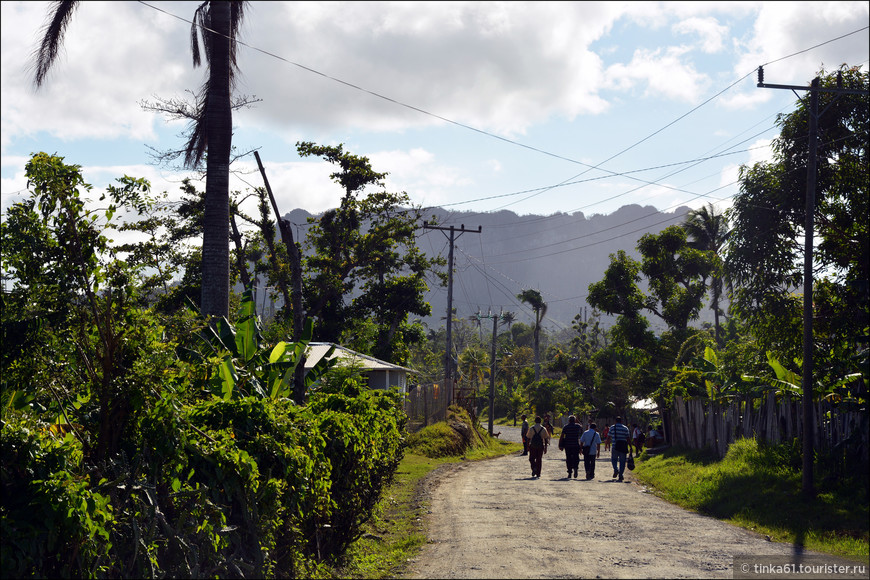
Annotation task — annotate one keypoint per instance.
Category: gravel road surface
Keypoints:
(491, 519)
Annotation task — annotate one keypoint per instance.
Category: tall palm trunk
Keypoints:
(219, 130)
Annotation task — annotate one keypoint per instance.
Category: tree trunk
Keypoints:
(241, 260)
(219, 131)
(716, 315)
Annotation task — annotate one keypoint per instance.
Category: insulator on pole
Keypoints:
(761, 75)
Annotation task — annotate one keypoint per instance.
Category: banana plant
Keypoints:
(716, 380)
(249, 367)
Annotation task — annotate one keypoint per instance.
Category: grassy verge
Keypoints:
(395, 534)
(759, 488)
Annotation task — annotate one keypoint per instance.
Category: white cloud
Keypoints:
(783, 29)
(712, 34)
(787, 29)
(114, 54)
(662, 72)
(500, 67)
(760, 151)
(419, 173)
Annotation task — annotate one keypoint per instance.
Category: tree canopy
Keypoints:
(765, 252)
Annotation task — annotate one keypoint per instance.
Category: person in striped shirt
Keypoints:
(620, 436)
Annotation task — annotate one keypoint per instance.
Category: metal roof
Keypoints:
(348, 357)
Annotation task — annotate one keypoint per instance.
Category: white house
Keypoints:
(379, 374)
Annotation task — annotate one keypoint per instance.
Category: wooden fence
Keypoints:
(697, 424)
(426, 404)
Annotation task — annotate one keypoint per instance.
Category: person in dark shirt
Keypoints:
(569, 440)
(539, 440)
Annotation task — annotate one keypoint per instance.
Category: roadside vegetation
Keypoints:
(141, 438)
(396, 532)
(758, 487)
(145, 434)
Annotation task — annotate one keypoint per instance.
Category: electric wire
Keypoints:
(498, 137)
(589, 167)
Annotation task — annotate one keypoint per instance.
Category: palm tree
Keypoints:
(534, 299)
(709, 231)
(509, 318)
(219, 22)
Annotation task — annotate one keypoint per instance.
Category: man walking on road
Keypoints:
(539, 439)
(590, 441)
(620, 435)
(569, 440)
(523, 430)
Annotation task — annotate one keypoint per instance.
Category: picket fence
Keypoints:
(698, 424)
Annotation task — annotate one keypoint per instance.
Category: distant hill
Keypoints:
(559, 254)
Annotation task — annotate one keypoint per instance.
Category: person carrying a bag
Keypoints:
(590, 441)
(620, 435)
(569, 441)
(539, 439)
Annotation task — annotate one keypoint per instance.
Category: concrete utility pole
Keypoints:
(492, 365)
(448, 367)
(807, 390)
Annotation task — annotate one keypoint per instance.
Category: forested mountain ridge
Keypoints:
(559, 254)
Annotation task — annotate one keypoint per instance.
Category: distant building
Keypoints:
(379, 374)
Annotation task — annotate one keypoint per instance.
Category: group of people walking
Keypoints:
(574, 441)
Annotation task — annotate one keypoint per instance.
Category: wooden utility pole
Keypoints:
(295, 257)
(448, 359)
(807, 379)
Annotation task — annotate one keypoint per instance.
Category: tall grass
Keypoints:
(759, 487)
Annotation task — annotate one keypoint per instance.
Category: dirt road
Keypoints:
(490, 519)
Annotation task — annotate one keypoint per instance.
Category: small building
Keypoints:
(378, 374)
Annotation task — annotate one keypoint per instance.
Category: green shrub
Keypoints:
(438, 440)
(365, 441)
(449, 438)
(53, 523)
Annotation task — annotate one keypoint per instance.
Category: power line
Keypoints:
(589, 167)
(481, 131)
(708, 194)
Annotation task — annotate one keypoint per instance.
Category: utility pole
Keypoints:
(296, 284)
(807, 390)
(492, 365)
(492, 372)
(448, 366)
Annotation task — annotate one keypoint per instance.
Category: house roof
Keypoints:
(348, 357)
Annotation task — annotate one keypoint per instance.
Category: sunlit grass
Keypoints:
(759, 488)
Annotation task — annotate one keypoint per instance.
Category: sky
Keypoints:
(532, 107)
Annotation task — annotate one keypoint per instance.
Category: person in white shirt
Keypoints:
(590, 442)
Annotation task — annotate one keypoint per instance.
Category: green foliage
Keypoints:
(133, 448)
(364, 263)
(765, 251)
(365, 439)
(54, 522)
(452, 437)
(436, 440)
(247, 366)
